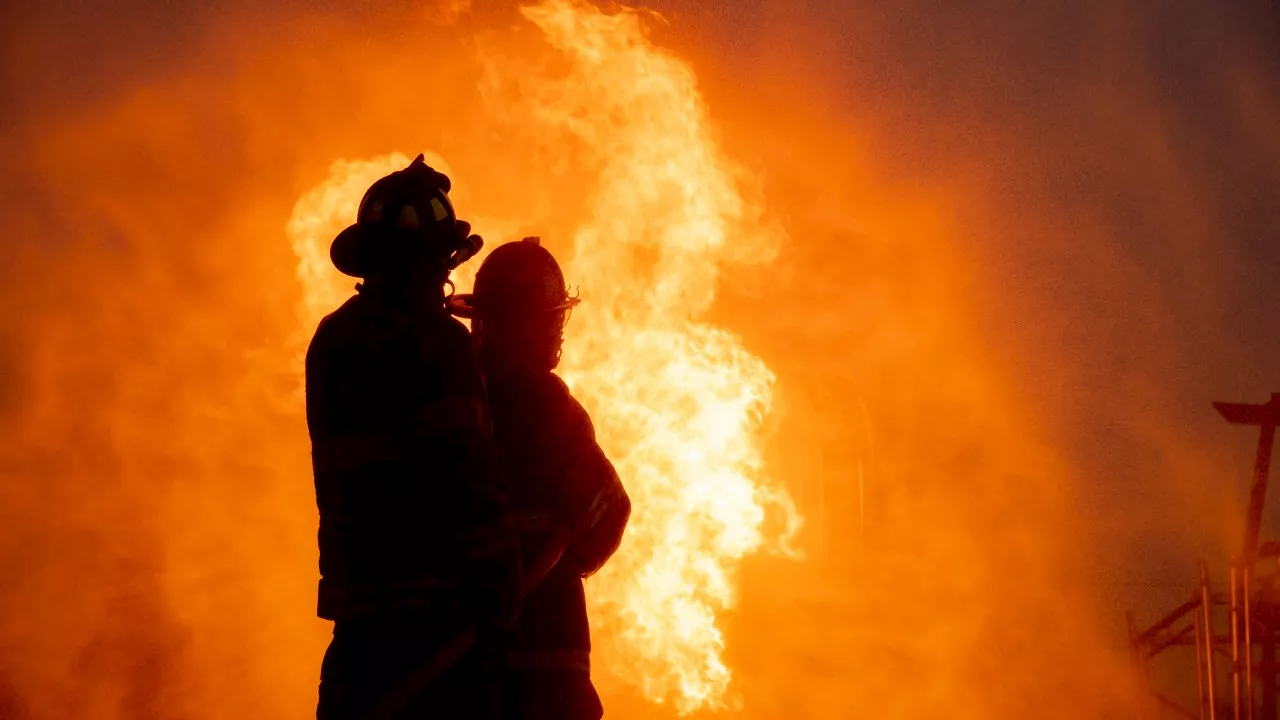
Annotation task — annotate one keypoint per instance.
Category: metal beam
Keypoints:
(1185, 636)
(1266, 417)
(1170, 619)
(1236, 662)
(1176, 707)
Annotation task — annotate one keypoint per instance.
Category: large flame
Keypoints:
(678, 403)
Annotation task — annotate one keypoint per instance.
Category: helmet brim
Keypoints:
(568, 304)
(464, 306)
(350, 252)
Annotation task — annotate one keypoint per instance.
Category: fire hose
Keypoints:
(460, 644)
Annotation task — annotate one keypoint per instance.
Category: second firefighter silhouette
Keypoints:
(568, 500)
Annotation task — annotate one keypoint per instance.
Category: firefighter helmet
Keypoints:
(519, 281)
(400, 216)
(519, 308)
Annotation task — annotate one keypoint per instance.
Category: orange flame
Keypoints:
(678, 403)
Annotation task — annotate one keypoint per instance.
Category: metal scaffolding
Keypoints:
(1251, 606)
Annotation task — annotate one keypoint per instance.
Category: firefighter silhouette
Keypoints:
(569, 504)
(416, 541)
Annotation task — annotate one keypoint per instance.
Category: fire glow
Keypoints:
(986, 331)
(678, 404)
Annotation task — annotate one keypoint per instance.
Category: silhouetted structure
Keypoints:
(1251, 604)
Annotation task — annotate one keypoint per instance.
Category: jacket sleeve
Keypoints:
(599, 506)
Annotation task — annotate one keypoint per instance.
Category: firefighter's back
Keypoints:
(397, 425)
(405, 483)
(416, 545)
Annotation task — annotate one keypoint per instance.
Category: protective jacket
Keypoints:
(559, 478)
(413, 512)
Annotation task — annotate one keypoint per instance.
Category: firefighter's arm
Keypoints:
(601, 509)
(598, 534)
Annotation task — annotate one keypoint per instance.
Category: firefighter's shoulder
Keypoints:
(445, 343)
(450, 330)
(564, 409)
(337, 329)
(346, 324)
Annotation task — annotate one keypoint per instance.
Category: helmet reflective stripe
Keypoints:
(408, 219)
(438, 207)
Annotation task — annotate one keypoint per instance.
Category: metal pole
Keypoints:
(1265, 417)
(1235, 644)
(1258, 493)
(1206, 605)
(1199, 617)
(1248, 637)
(1267, 673)
(1268, 665)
